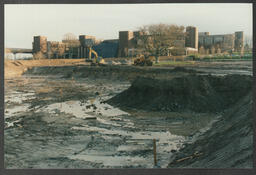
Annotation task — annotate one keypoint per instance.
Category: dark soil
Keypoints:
(109, 72)
(199, 93)
(228, 144)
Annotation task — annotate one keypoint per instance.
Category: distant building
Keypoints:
(239, 41)
(107, 48)
(128, 43)
(221, 43)
(191, 37)
(203, 33)
(55, 49)
(192, 42)
(40, 44)
(125, 43)
(74, 48)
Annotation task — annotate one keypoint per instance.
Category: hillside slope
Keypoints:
(228, 144)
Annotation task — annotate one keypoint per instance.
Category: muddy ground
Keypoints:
(50, 118)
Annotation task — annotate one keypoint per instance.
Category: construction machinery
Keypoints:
(96, 60)
(143, 60)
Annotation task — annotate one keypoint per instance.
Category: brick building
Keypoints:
(191, 42)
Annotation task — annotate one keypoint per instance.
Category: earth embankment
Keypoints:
(15, 68)
(121, 72)
(199, 93)
(228, 144)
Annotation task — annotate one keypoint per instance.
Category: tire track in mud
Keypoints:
(50, 131)
(59, 139)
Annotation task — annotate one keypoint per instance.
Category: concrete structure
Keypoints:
(125, 42)
(220, 43)
(191, 42)
(86, 41)
(20, 50)
(74, 48)
(107, 48)
(128, 43)
(191, 37)
(15, 51)
(239, 41)
(203, 33)
(40, 44)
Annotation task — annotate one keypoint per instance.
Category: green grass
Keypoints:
(173, 63)
(197, 57)
(228, 57)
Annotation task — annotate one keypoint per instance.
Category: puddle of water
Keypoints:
(70, 107)
(138, 147)
(11, 124)
(9, 112)
(132, 145)
(108, 122)
(19, 97)
(102, 130)
(114, 161)
(85, 110)
(134, 141)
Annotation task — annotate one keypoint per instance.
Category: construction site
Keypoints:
(88, 103)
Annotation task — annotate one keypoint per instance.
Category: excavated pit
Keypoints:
(228, 142)
(187, 111)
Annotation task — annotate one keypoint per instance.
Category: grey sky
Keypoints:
(22, 22)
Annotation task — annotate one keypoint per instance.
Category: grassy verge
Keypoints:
(174, 63)
(246, 56)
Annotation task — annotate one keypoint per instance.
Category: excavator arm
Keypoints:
(96, 60)
(94, 52)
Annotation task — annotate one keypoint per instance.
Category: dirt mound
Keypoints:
(113, 72)
(15, 68)
(199, 93)
(229, 143)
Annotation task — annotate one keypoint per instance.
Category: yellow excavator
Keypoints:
(96, 60)
(143, 60)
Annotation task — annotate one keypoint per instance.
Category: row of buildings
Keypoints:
(126, 45)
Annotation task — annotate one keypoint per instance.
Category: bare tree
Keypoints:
(71, 42)
(156, 39)
(69, 37)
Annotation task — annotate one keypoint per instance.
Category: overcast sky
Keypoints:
(22, 22)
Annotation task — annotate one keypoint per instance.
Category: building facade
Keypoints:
(214, 44)
(191, 36)
(239, 41)
(40, 44)
(126, 42)
(191, 42)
